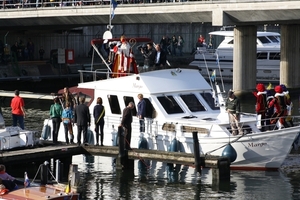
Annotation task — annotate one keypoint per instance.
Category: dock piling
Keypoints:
(198, 163)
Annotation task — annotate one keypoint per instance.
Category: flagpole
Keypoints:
(110, 8)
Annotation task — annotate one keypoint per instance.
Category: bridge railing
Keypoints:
(42, 4)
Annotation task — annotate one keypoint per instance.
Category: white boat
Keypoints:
(14, 137)
(221, 59)
(183, 102)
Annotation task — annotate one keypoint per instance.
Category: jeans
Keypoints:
(142, 125)
(18, 118)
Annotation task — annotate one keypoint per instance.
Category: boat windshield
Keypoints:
(207, 96)
(192, 103)
(170, 105)
(264, 40)
(274, 39)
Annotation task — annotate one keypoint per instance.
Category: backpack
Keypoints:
(150, 112)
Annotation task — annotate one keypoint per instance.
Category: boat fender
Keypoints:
(46, 132)
(229, 152)
(90, 136)
(143, 143)
(24, 72)
(115, 137)
(174, 146)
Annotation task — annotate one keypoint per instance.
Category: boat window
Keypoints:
(275, 56)
(230, 42)
(114, 104)
(264, 39)
(273, 39)
(126, 102)
(209, 100)
(262, 55)
(169, 104)
(192, 103)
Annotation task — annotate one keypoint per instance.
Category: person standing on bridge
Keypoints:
(18, 111)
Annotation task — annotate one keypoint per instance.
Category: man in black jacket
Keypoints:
(83, 119)
(160, 58)
(126, 123)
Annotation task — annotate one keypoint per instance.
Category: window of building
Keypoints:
(169, 104)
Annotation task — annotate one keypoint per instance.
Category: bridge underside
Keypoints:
(190, 12)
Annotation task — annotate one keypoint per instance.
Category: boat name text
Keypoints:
(257, 144)
(137, 86)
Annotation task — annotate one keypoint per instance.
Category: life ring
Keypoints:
(24, 72)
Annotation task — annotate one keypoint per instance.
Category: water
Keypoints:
(152, 180)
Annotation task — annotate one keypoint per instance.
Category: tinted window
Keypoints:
(264, 39)
(262, 55)
(274, 39)
(210, 100)
(114, 104)
(169, 104)
(126, 102)
(192, 103)
(275, 56)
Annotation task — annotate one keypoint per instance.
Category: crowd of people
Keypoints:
(273, 109)
(72, 110)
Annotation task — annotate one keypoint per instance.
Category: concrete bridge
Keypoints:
(218, 12)
(244, 15)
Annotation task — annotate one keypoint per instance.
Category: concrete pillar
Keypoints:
(290, 55)
(244, 58)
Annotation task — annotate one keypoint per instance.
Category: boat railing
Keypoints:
(99, 74)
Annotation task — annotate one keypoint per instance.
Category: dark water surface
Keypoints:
(153, 180)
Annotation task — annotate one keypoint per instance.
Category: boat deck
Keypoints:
(39, 193)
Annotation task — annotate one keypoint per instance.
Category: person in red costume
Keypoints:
(280, 103)
(124, 61)
(261, 106)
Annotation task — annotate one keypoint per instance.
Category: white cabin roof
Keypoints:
(230, 33)
(153, 82)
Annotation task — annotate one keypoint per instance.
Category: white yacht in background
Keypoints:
(220, 60)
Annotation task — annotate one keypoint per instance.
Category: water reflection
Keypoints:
(156, 180)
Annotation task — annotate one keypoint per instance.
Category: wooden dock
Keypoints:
(20, 155)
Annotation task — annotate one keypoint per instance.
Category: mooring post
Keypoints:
(122, 161)
(221, 173)
(197, 152)
(57, 172)
(74, 176)
(44, 173)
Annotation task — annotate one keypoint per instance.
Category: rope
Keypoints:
(224, 145)
(139, 157)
